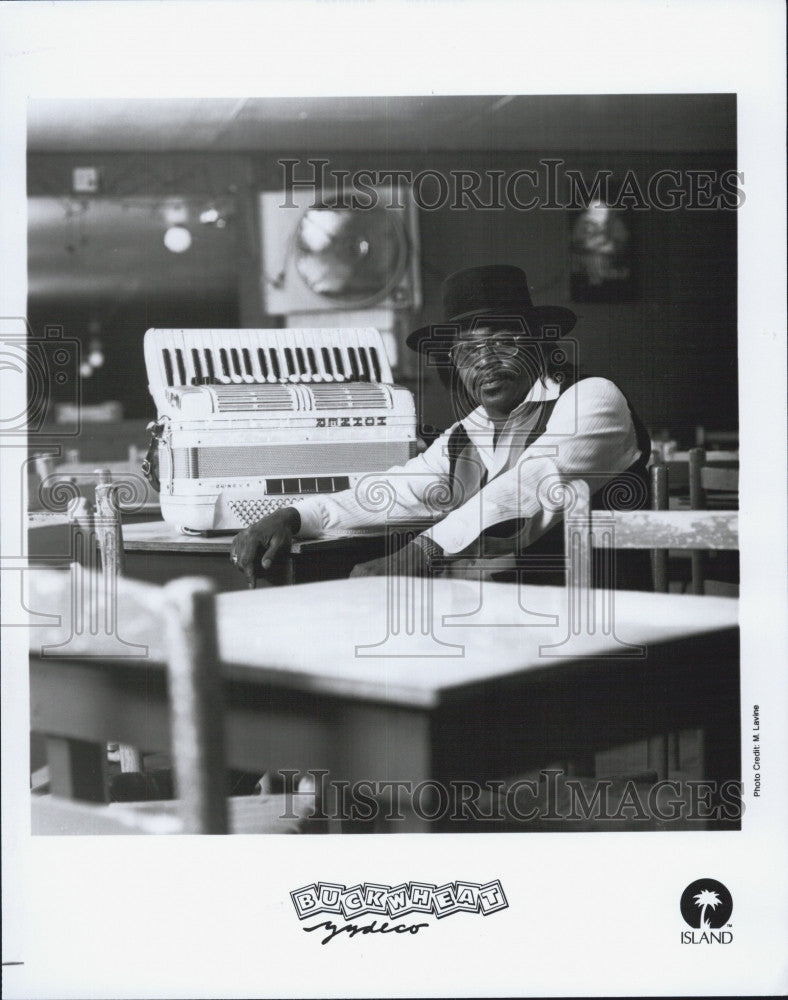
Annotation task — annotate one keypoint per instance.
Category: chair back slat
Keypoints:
(658, 530)
(713, 457)
(705, 437)
(719, 457)
(673, 529)
(108, 529)
(705, 476)
(195, 697)
(719, 478)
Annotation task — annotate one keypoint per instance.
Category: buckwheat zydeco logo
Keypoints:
(396, 909)
(706, 905)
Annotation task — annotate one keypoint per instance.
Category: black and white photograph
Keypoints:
(393, 458)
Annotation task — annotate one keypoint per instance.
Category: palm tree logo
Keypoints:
(706, 903)
(706, 898)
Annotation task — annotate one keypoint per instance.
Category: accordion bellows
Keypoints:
(253, 420)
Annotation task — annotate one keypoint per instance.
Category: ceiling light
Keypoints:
(177, 239)
(96, 354)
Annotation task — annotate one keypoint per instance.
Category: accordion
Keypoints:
(253, 420)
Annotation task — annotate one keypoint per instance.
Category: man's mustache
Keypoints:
(499, 370)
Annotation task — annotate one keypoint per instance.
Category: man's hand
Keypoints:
(413, 559)
(255, 548)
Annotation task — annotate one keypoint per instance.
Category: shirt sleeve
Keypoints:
(590, 431)
(419, 488)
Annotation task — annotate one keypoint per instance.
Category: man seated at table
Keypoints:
(522, 423)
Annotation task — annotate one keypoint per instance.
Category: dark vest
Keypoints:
(543, 562)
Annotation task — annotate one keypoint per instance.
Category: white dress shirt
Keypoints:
(590, 430)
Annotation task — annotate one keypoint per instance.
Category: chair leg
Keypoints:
(659, 571)
(109, 535)
(698, 573)
(658, 482)
(129, 757)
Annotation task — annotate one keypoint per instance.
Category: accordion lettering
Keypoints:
(253, 420)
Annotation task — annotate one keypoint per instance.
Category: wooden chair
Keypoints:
(109, 534)
(175, 626)
(508, 561)
(695, 480)
(705, 438)
(713, 485)
(92, 536)
(586, 529)
(678, 466)
(659, 530)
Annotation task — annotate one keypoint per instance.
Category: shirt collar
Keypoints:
(478, 423)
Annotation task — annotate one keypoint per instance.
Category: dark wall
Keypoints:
(123, 326)
(672, 347)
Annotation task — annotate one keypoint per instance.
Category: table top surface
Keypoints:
(153, 536)
(158, 536)
(328, 638)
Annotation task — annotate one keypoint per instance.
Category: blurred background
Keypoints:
(151, 213)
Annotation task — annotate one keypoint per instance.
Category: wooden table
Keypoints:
(157, 553)
(328, 675)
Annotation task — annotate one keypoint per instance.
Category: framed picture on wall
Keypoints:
(602, 253)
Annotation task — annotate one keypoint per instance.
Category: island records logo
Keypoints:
(706, 905)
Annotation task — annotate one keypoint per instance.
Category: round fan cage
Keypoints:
(353, 257)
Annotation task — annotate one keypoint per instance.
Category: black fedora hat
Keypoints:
(493, 292)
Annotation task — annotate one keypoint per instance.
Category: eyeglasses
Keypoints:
(502, 346)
